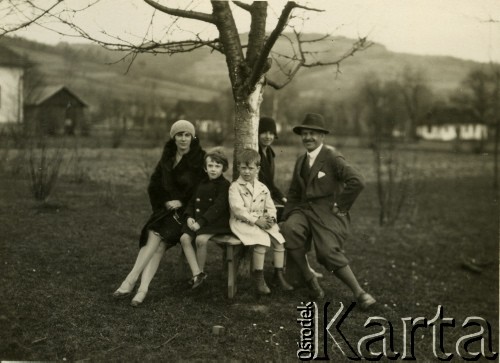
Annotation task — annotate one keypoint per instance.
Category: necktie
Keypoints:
(306, 168)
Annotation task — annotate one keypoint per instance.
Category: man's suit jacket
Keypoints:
(331, 180)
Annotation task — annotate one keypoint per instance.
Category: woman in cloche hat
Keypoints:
(171, 186)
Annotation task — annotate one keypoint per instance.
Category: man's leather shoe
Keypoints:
(365, 300)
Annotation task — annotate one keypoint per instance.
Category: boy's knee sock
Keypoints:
(279, 258)
(201, 255)
(201, 250)
(188, 249)
(259, 254)
(279, 253)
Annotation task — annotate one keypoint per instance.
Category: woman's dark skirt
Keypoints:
(167, 224)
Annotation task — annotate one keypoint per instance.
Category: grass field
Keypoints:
(61, 260)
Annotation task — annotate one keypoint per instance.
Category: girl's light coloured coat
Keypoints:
(247, 204)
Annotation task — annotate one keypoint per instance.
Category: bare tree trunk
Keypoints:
(495, 155)
(246, 123)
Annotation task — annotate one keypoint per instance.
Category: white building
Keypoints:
(11, 86)
(447, 124)
(448, 132)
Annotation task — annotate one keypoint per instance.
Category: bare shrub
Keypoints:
(79, 173)
(397, 187)
(146, 164)
(12, 153)
(108, 196)
(44, 165)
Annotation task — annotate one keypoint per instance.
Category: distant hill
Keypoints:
(201, 75)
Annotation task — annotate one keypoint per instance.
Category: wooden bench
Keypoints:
(233, 246)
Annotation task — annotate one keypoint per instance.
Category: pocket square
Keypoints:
(321, 174)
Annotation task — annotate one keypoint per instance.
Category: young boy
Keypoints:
(253, 219)
(207, 214)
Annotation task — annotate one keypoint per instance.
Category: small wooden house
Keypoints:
(12, 68)
(55, 110)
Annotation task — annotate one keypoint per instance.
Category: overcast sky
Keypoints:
(468, 29)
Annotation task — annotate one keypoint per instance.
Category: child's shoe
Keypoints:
(260, 283)
(280, 278)
(198, 279)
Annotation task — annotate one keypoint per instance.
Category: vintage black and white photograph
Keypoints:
(249, 180)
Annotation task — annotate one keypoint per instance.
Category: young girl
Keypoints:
(207, 214)
(253, 219)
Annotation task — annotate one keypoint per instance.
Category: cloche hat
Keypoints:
(267, 124)
(182, 126)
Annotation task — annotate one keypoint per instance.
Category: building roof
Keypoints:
(41, 94)
(448, 115)
(11, 59)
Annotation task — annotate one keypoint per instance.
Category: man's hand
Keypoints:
(173, 204)
(337, 211)
(263, 223)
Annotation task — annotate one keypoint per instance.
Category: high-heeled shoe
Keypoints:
(138, 298)
(124, 290)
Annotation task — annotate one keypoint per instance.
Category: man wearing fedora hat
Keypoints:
(324, 187)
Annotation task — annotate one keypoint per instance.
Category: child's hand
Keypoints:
(270, 219)
(195, 226)
(192, 225)
(263, 223)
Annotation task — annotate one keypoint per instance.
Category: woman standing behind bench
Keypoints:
(267, 134)
(171, 186)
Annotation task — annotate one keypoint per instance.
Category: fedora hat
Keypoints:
(312, 121)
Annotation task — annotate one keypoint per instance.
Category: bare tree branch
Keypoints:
(259, 68)
(302, 58)
(4, 30)
(360, 44)
(182, 13)
(243, 5)
(257, 33)
(308, 8)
